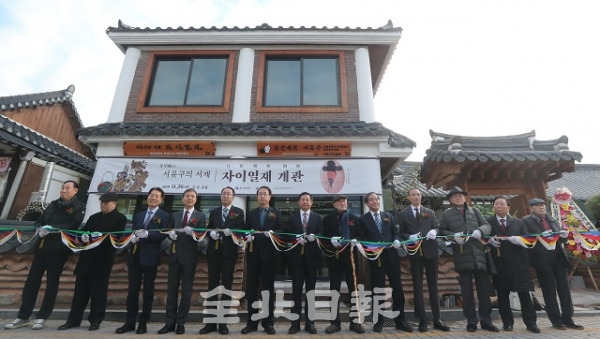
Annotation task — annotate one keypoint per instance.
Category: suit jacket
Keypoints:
(368, 231)
(99, 260)
(541, 258)
(331, 225)
(184, 250)
(148, 248)
(262, 248)
(409, 225)
(312, 252)
(63, 215)
(235, 220)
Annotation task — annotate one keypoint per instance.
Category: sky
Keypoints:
(471, 68)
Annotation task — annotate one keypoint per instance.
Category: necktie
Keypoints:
(344, 226)
(377, 221)
(185, 219)
(502, 226)
(263, 214)
(545, 223)
(304, 219)
(417, 215)
(225, 211)
(147, 220)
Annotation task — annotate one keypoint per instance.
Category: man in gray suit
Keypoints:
(183, 257)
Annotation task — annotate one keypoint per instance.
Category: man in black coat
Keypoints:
(50, 255)
(183, 257)
(222, 252)
(376, 226)
(418, 222)
(551, 266)
(304, 259)
(143, 260)
(512, 264)
(261, 257)
(341, 226)
(95, 265)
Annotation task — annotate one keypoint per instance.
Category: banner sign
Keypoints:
(304, 149)
(169, 148)
(209, 176)
(4, 163)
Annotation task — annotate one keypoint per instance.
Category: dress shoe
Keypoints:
(210, 328)
(489, 327)
(310, 329)
(180, 329)
(572, 325)
(533, 329)
(335, 328)
(422, 327)
(404, 326)
(378, 327)
(166, 329)
(223, 329)
(66, 326)
(295, 328)
(507, 327)
(125, 328)
(559, 326)
(270, 329)
(441, 326)
(94, 326)
(356, 327)
(471, 327)
(141, 328)
(250, 328)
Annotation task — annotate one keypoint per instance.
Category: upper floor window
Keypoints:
(293, 81)
(187, 82)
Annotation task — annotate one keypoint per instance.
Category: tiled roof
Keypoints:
(13, 102)
(19, 136)
(270, 129)
(521, 147)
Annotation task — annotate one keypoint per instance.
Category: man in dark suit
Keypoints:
(304, 260)
(95, 265)
(340, 226)
(551, 266)
(50, 256)
(376, 226)
(511, 261)
(183, 257)
(222, 252)
(261, 257)
(417, 222)
(143, 260)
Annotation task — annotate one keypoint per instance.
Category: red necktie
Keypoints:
(545, 223)
(185, 218)
(502, 226)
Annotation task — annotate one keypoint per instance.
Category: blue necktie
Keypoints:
(344, 227)
(263, 214)
(147, 220)
(377, 221)
(225, 211)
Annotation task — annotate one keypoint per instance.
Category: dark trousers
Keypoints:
(52, 264)
(482, 284)
(378, 269)
(93, 288)
(179, 275)
(220, 272)
(552, 282)
(338, 268)
(302, 275)
(138, 273)
(260, 276)
(527, 309)
(417, 263)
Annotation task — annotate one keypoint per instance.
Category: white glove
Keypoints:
(354, 241)
(142, 233)
(188, 230)
(134, 239)
(227, 232)
(396, 244)
(494, 242)
(310, 237)
(214, 235)
(513, 240)
(85, 238)
(335, 241)
(431, 234)
(43, 231)
(249, 238)
(546, 233)
(96, 234)
(301, 241)
(458, 238)
(267, 233)
(173, 235)
(564, 234)
(476, 234)
(414, 237)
